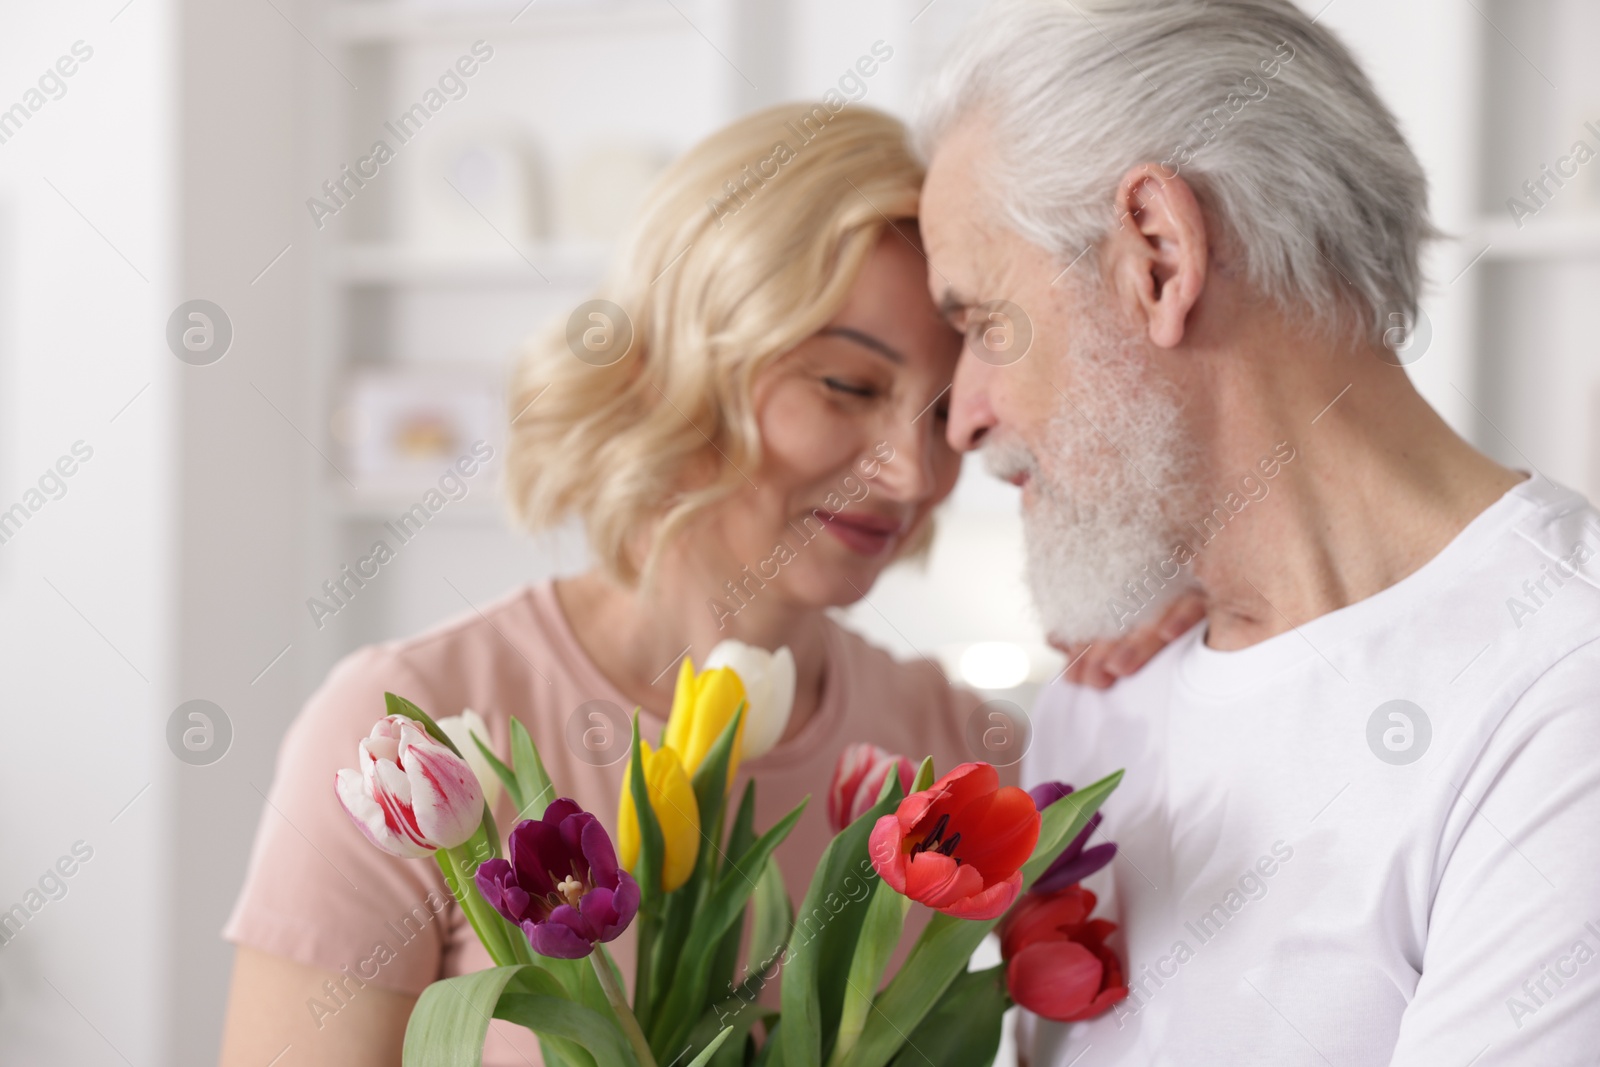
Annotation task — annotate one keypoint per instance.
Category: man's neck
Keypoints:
(1378, 485)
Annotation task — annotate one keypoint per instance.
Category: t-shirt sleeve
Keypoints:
(1511, 972)
(317, 891)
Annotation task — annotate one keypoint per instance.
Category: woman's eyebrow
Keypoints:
(951, 305)
(866, 340)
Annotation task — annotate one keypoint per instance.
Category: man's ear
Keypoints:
(1159, 251)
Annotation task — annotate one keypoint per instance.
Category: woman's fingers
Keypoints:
(1098, 664)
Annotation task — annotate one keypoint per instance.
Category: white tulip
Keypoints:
(768, 679)
(460, 728)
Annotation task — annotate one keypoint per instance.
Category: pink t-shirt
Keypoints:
(318, 893)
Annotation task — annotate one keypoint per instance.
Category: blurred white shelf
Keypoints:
(398, 264)
(379, 21)
(1541, 238)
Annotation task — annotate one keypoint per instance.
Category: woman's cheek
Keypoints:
(805, 433)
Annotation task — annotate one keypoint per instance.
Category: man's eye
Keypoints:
(838, 385)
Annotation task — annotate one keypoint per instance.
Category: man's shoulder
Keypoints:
(1542, 576)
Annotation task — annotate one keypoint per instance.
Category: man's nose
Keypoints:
(971, 415)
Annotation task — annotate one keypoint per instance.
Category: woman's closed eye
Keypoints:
(858, 389)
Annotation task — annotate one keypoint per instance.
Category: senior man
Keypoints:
(1361, 817)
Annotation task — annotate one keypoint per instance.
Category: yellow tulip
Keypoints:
(672, 799)
(702, 707)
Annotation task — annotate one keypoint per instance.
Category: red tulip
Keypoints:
(959, 846)
(857, 779)
(1057, 962)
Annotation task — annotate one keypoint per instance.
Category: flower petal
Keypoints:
(1055, 979)
(1047, 793)
(718, 693)
(885, 847)
(940, 881)
(680, 719)
(948, 795)
(625, 899)
(855, 763)
(998, 832)
(991, 903)
(1045, 917)
(556, 940)
(672, 798)
(446, 798)
(1076, 869)
(598, 854)
(536, 850)
(370, 817)
(461, 729)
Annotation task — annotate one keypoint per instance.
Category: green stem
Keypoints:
(486, 922)
(605, 969)
(643, 988)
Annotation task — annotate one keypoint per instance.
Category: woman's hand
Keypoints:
(1101, 662)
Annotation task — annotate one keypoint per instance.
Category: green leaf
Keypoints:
(771, 1054)
(507, 776)
(711, 777)
(1062, 821)
(647, 872)
(963, 1029)
(560, 1018)
(711, 1049)
(880, 933)
(738, 1014)
(557, 1051)
(398, 705)
(941, 953)
(451, 1019)
(740, 838)
(534, 785)
(724, 904)
(819, 958)
(680, 906)
(769, 932)
(492, 930)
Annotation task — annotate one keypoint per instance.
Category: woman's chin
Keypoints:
(840, 584)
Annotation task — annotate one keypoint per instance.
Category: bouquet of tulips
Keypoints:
(685, 875)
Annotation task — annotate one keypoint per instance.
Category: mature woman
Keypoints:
(766, 443)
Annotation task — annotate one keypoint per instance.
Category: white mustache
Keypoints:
(1007, 459)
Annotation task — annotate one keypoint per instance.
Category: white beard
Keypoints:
(1099, 515)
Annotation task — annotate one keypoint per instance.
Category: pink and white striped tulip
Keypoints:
(857, 779)
(411, 795)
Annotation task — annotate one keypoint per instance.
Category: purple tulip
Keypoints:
(562, 884)
(1075, 862)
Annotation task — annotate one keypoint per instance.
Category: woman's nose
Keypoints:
(911, 475)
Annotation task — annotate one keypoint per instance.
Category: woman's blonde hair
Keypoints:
(747, 245)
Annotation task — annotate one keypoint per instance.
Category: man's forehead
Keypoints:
(953, 214)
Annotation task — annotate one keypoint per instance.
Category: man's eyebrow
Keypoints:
(866, 340)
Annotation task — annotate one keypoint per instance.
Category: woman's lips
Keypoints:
(867, 535)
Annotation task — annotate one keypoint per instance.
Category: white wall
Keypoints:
(86, 591)
(174, 566)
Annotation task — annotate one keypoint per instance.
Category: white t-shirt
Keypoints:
(1374, 839)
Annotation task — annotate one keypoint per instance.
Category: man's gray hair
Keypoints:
(1263, 112)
